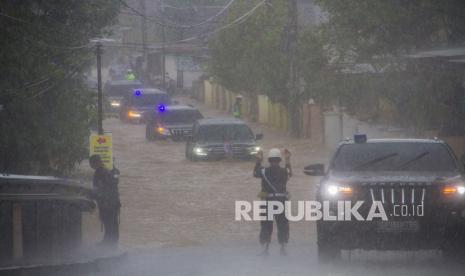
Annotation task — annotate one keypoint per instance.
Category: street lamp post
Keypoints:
(99, 88)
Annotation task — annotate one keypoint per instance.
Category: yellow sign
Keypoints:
(103, 146)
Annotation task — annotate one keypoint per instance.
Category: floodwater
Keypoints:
(178, 216)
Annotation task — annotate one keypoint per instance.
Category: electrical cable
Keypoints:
(169, 25)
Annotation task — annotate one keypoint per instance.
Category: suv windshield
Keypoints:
(150, 99)
(221, 133)
(120, 89)
(180, 116)
(394, 157)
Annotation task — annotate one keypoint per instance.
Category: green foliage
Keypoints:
(47, 106)
(426, 94)
(250, 57)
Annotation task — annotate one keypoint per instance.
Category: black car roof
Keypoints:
(180, 107)
(150, 91)
(221, 121)
(125, 82)
(395, 140)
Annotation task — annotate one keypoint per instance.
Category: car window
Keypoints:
(120, 90)
(180, 116)
(222, 133)
(150, 99)
(394, 157)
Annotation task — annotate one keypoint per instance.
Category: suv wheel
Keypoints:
(328, 251)
(453, 248)
(149, 135)
(189, 155)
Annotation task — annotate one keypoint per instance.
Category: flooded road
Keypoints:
(178, 216)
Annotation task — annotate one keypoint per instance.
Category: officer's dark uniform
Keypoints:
(237, 109)
(278, 177)
(107, 197)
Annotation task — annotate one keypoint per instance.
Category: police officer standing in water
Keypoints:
(107, 196)
(273, 188)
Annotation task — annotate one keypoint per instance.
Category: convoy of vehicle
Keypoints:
(114, 91)
(419, 182)
(138, 101)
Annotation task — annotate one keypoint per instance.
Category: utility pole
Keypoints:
(98, 51)
(143, 26)
(293, 84)
(163, 47)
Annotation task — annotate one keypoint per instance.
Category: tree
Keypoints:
(382, 34)
(48, 108)
(250, 57)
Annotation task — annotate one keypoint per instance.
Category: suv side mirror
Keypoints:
(315, 170)
(259, 136)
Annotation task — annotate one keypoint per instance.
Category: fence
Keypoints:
(261, 109)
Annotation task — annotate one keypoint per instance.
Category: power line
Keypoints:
(170, 25)
(233, 23)
(210, 18)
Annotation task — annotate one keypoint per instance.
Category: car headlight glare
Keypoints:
(334, 189)
(133, 114)
(453, 189)
(115, 103)
(163, 131)
(254, 150)
(200, 151)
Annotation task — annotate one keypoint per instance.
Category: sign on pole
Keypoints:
(103, 146)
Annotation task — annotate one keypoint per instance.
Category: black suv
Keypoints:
(135, 103)
(173, 121)
(418, 182)
(219, 138)
(114, 91)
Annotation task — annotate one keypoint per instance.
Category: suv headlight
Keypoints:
(134, 114)
(200, 151)
(450, 190)
(163, 131)
(334, 189)
(254, 150)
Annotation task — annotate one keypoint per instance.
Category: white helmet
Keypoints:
(274, 153)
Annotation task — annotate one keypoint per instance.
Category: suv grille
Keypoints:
(395, 193)
(234, 150)
(180, 132)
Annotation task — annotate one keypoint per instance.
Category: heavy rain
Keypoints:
(137, 135)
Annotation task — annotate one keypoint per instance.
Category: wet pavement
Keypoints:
(178, 216)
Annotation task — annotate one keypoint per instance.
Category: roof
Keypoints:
(221, 121)
(37, 179)
(395, 140)
(151, 91)
(180, 107)
(15, 187)
(125, 82)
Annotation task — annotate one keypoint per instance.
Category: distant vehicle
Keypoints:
(220, 138)
(135, 103)
(172, 121)
(117, 72)
(419, 183)
(114, 91)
